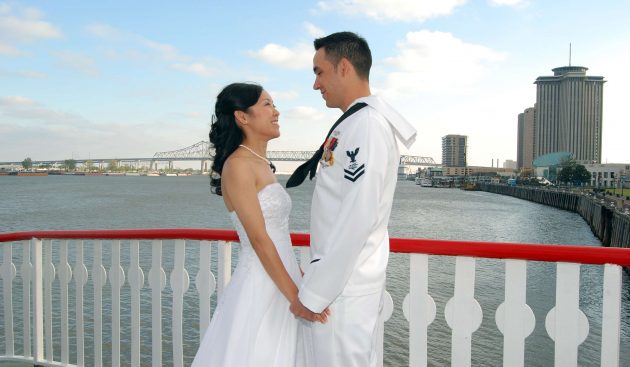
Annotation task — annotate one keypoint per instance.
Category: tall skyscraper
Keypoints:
(569, 114)
(525, 144)
(454, 150)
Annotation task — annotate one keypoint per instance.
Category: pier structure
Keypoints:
(608, 218)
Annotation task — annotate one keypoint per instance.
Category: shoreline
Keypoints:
(610, 225)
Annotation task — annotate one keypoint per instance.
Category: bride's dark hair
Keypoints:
(225, 135)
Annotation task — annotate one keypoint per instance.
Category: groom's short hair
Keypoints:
(349, 45)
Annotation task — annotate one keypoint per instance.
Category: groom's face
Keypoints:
(327, 79)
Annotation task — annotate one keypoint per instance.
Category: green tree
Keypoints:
(113, 166)
(70, 164)
(27, 163)
(573, 173)
(89, 165)
(581, 174)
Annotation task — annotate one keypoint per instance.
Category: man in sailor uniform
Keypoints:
(352, 202)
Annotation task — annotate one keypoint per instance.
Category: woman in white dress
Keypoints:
(252, 324)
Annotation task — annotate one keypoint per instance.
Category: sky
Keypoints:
(121, 79)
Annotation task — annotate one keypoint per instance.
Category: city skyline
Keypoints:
(122, 80)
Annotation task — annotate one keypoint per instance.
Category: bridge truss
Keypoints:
(203, 151)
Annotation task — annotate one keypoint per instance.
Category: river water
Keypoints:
(82, 202)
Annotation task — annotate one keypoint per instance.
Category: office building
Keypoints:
(568, 114)
(510, 164)
(609, 175)
(525, 143)
(454, 150)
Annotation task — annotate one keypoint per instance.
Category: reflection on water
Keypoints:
(61, 202)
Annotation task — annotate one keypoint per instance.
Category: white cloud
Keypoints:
(164, 51)
(299, 57)
(22, 25)
(8, 50)
(283, 95)
(25, 109)
(138, 49)
(33, 129)
(77, 62)
(301, 114)
(508, 2)
(15, 101)
(396, 10)
(196, 68)
(313, 30)
(104, 31)
(22, 74)
(167, 52)
(437, 61)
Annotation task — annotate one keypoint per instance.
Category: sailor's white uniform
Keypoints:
(350, 211)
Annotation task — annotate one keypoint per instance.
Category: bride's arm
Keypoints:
(239, 182)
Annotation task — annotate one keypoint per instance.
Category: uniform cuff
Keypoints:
(313, 301)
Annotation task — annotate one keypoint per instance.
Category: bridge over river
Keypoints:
(202, 152)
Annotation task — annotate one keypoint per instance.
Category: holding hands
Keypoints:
(299, 310)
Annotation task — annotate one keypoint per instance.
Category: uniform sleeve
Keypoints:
(367, 149)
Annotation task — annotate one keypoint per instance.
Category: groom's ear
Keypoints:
(345, 67)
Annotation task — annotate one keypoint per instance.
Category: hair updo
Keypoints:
(225, 135)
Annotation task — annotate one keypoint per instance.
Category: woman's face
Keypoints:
(262, 118)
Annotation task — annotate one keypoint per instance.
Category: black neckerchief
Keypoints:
(310, 166)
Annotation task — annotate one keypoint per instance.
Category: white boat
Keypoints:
(424, 181)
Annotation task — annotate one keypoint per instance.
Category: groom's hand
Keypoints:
(299, 310)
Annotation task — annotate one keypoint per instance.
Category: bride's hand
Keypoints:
(299, 310)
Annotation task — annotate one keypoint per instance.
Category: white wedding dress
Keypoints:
(252, 324)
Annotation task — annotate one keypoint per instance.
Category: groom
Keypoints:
(351, 205)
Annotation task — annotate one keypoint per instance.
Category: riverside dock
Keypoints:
(608, 217)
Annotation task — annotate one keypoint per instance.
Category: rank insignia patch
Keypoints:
(328, 157)
(354, 171)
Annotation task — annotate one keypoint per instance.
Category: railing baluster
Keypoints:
(116, 279)
(419, 309)
(65, 274)
(463, 313)
(38, 302)
(206, 285)
(99, 277)
(611, 316)
(80, 279)
(566, 324)
(49, 276)
(157, 282)
(179, 283)
(136, 282)
(224, 261)
(26, 272)
(514, 317)
(8, 274)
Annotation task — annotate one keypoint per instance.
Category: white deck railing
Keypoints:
(40, 325)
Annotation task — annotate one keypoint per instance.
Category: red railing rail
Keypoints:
(497, 250)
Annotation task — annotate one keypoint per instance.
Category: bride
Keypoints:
(252, 324)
